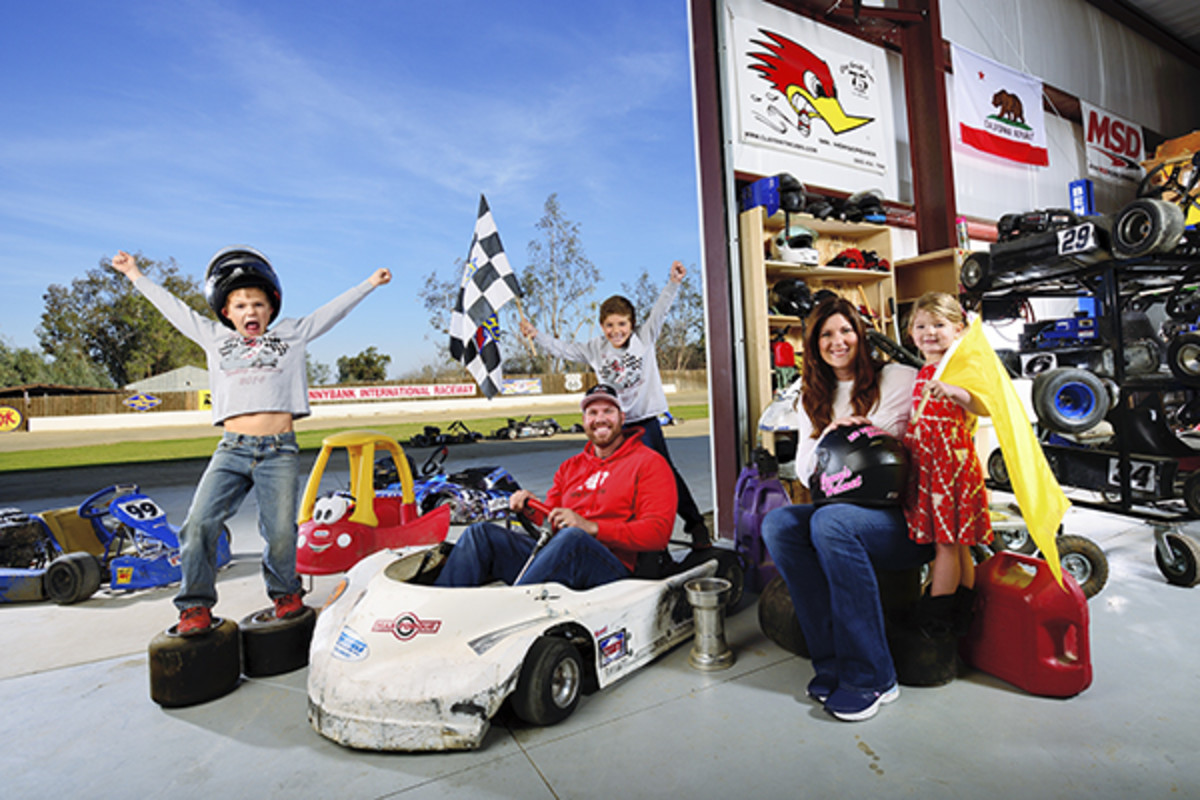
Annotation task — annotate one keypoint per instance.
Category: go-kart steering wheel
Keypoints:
(97, 504)
(528, 525)
(433, 464)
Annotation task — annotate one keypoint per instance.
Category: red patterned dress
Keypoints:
(947, 501)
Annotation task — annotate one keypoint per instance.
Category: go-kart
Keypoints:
(527, 428)
(474, 494)
(338, 529)
(399, 664)
(117, 536)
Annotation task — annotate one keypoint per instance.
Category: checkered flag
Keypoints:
(488, 283)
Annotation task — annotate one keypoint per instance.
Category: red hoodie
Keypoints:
(630, 495)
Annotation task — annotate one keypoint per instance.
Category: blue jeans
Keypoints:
(652, 437)
(269, 465)
(571, 557)
(827, 556)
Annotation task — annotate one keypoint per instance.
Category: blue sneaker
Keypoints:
(851, 706)
(821, 686)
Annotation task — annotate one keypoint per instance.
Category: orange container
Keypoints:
(1027, 629)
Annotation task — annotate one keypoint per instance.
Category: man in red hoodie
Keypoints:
(608, 503)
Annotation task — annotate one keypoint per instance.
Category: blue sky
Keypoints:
(337, 138)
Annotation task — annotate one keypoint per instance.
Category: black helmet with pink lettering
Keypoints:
(859, 464)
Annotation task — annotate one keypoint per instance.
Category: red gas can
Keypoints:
(1027, 629)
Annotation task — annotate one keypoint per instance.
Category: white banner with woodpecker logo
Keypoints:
(999, 110)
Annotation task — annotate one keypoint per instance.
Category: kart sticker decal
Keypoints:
(613, 647)
(350, 646)
(481, 644)
(406, 626)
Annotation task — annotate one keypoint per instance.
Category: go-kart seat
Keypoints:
(72, 532)
(653, 564)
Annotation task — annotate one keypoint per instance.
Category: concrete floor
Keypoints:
(78, 719)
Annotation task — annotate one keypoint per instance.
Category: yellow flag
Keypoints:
(972, 364)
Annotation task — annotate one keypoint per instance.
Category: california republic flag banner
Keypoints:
(488, 282)
(999, 110)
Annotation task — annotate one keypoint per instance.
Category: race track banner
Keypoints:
(1115, 146)
(999, 110)
(809, 91)
(407, 392)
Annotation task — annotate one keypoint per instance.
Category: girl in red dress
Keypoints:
(947, 500)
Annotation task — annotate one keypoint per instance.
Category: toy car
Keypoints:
(339, 528)
(117, 536)
(399, 664)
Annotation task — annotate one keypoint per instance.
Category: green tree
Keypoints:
(318, 373)
(556, 282)
(369, 366)
(680, 343)
(102, 318)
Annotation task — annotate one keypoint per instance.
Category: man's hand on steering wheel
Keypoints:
(566, 518)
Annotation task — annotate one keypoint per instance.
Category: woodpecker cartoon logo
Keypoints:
(807, 83)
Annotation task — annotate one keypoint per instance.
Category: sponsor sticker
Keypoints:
(613, 647)
(406, 626)
(350, 646)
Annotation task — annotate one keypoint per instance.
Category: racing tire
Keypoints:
(997, 470)
(731, 568)
(1182, 569)
(273, 646)
(1084, 561)
(777, 618)
(550, 683)
(975, 273)
(72, 578)
(1069, 399)
(1183, 357)
(187, 670)
(1146, 226)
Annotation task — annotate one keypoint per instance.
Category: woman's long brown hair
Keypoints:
(818, 381)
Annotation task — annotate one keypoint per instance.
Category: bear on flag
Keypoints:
(488, 283)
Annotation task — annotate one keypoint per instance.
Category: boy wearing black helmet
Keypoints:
(259, 387)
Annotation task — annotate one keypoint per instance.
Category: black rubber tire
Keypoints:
(72, 578)
(1069, 400)
(997, 470)
(1146, 226)
(1191, 493)
(186, 670)
(1085, 561)
(922, 660)
(1182, 571)
(777, 618)
(731, 568)
(272, 646)
(1183, 357)
(975, 273)
(550, 683)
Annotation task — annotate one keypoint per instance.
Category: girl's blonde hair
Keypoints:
(938, 304)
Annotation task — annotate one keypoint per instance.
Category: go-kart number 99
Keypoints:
(142, 510)
(1079, 239)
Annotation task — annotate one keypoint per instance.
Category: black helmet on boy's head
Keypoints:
(859, 464)
(240, 267)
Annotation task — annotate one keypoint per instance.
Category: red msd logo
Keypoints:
(406, 626)
(1115, 136)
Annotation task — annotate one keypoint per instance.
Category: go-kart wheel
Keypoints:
(1146, 226)
(731, 568)
(1180, 568)
(72, 578)
(1085, 562)
(974, 274)
(1191, 493)
(997, 470)
(1069, 399)
(1013, 540)
(272, 646)
(1183, 357)
(550, 682)
(777, 618)
(186, 670)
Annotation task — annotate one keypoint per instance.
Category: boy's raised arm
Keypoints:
(126, 264)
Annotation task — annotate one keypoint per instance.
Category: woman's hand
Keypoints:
(844, 421)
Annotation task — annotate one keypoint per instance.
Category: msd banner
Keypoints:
(391, 392)
(1114, 145)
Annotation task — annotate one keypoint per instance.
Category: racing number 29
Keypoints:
(1079, 239)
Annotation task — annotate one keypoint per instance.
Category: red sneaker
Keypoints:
(194, 621)
(289, 605)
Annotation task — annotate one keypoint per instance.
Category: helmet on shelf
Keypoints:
(859, 464)
(240, 267)
(795, 245)
(791, 297)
